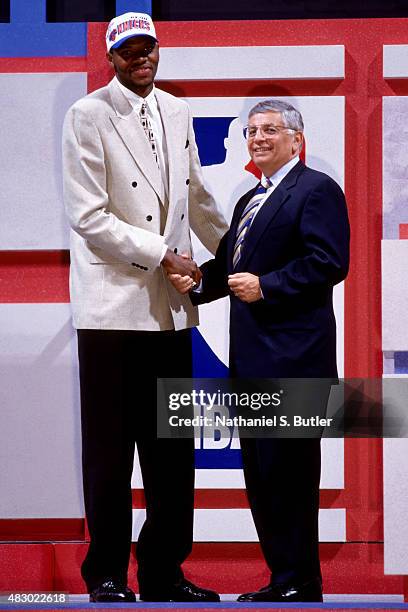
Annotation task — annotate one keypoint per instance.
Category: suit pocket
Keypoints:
(123, 281)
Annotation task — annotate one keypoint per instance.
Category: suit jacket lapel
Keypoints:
(267, 213)
(134, 138)
(172, 132)
(170, 121)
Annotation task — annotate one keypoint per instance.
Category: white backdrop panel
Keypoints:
(332, 471)
(32, 109)
(394, 308)
(395, 61)
(236, 525)
(395, 454)
(275, 62)
(395, 295)
(395, 164)
(40, 474)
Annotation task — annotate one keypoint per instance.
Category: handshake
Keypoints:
(182, 271)
(184, 274)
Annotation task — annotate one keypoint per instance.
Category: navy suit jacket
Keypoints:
(298, 245)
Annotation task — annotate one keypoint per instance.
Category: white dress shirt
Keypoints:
(158, 131)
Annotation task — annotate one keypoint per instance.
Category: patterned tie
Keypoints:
(247, 217)
(145, 121)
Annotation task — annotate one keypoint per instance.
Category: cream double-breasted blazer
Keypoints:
(121, 217)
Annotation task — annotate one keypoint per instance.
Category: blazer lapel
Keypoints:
(130, 130)
(170, 121)
(171, 127)
(268, 211)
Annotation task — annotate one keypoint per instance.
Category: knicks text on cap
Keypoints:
(127, 25)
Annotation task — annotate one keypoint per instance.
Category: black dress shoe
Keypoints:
(308, 591)
(182, 591)
(112, 591)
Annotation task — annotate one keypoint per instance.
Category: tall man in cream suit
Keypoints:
(133, 186)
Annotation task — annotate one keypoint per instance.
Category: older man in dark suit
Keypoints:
(287, 246)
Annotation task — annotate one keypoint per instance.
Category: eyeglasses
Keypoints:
(267, 130)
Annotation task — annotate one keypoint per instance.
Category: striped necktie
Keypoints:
(145, 121)
(247, 217)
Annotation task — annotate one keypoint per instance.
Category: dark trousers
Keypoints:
(118, 371)
(282, 477)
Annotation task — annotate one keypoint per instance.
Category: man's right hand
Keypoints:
(177, 264)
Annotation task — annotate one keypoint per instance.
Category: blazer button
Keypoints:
(175, 250)
(182, 216)
(149, 218)
(134, 184)
(187, 181)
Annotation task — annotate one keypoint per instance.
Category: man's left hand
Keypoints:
(245, 286)
(183, 284)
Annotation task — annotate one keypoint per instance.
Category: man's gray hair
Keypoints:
(291, 117)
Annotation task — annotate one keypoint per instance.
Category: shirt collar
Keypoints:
(283, 171)
(137, 101)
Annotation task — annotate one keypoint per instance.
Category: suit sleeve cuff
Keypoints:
(260, 288)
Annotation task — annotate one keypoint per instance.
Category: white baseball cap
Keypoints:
(126, 26)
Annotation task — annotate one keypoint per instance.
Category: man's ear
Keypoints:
(109, 57)
(297, 142)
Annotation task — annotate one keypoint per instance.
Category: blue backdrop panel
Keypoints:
(29, 35)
